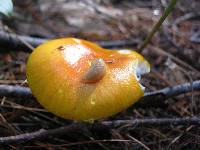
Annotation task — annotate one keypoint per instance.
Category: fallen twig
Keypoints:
(155, 122)
(15, 91)
(77, 127)
(10, 40)
(7, 90)
(19, 91)
(176, 90)
(13, 41)
(19, 38)
(41, 133)
(156, 98)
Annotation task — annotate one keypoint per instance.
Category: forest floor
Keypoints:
(174, 55)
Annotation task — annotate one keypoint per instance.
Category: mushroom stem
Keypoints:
(96, 71)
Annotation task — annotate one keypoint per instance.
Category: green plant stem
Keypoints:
(156, 27)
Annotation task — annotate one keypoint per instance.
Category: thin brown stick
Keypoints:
(15, 91)
(78, 127)
(41, 134)
(154, 122)
(176, 90)
(17, 106)
(85, 142)
(19, 91)
(11, 41)
(19, 38)
(137, 141)
(11, 81)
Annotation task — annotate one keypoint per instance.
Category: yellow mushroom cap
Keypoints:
(76, 79)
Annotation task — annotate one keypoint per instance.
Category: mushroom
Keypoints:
(77, 79)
